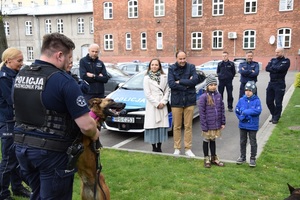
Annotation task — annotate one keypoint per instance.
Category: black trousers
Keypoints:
(275, 93)
(227, 83)
(244, 134)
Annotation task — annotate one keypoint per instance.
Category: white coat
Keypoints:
(154, 117)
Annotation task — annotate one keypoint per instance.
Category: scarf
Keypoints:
(154, 76)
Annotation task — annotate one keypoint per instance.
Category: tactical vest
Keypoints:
(30, 112)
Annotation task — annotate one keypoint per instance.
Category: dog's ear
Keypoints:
(291, 188)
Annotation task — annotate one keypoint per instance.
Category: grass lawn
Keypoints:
(138, 176)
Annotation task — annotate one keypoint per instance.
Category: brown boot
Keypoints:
(207, 163)
(215, 160)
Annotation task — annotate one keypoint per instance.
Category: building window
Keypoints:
(46, 2)
(143, 41)
(73, 1)
(159, 8)
(196, 40)
(60, 26)
(30, 53)
(218, 7)
(128, 41)
(132, 9)
(6, 28)
(19, 4)
(286, 5)
(28, 28)
(108, 10)
(197, 7)
(250, 6)
(217, 39)
(91, 25)
(80, 27)
(48, 27)
(108, 42)
(284, 37)
(159, 40)
(249, 39)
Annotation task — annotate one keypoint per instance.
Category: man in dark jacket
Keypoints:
(249, 71)
(182, 79)
(277, 68)
(93, 71)
(226, 72)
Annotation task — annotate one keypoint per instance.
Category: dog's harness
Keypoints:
(94, 116)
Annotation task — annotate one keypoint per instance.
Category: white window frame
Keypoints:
(133, 9)
(197, 8)
(108, 10)
(249, 39)
(143, 40)
(91, 25)
(196, 40)
(30, 55)
(28, 28)
(46, 2)
(128, 41)
(19, 4)
(284, 39)
(250, 7)
(159, 8)
(286, 5)
(6, 28)
(108, 42)
(217, 39)
(80, 25)
(159, 40)
(60, 26)
(48, 26)
(218, 5)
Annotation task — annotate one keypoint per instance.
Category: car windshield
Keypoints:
(136, 82)
(115, 72)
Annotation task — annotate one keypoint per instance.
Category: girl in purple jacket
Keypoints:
(212, 119)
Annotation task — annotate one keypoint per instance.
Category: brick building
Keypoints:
(143, 29)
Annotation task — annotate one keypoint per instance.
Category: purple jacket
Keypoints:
(211, 117)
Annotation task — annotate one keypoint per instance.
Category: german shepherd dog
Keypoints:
(93, 186)
(294, 193)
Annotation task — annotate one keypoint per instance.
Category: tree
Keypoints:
(3, 40)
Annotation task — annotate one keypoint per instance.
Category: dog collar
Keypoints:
(94, 116)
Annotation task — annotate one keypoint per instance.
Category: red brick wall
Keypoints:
(266, 22)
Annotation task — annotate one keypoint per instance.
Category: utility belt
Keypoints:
(42, 143)
(276, 80)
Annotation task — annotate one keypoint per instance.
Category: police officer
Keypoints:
(277, 68)
(49, 106)
(249, 71)
(93, 71)
(226, 72)
(12, 61)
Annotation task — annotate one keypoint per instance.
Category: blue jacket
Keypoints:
(249, 71)
(94, 66)
(183, 94)
(212, 117)
(247, 111)
(7, 77)
(278, 68)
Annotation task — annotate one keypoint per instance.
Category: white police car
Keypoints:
(132, 93)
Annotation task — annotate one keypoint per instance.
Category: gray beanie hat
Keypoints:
(250, 85)
(210, 80)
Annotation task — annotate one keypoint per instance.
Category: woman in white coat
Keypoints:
(157, 94)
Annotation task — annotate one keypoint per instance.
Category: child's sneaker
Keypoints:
(252, 162)
(240, 160)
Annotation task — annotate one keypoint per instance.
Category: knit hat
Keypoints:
(210, 80)
(250, 85)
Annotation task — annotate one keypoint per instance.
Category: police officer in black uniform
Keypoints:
(49, 109)
(249, 71)
(226, 72)
(277, 67)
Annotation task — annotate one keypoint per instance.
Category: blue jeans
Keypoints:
(244, 134)
(46, 173)
(9, 167)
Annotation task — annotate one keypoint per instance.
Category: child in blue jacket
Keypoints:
(247, 111)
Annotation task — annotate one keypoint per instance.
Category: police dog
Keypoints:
(294, 193)
(93, 184)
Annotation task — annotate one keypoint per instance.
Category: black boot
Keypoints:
(154, 149)
(159, 147)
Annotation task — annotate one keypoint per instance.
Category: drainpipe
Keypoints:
(184, 26)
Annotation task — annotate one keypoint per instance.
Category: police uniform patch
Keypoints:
(81, 101)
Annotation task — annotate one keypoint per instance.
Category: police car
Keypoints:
(132, 93)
